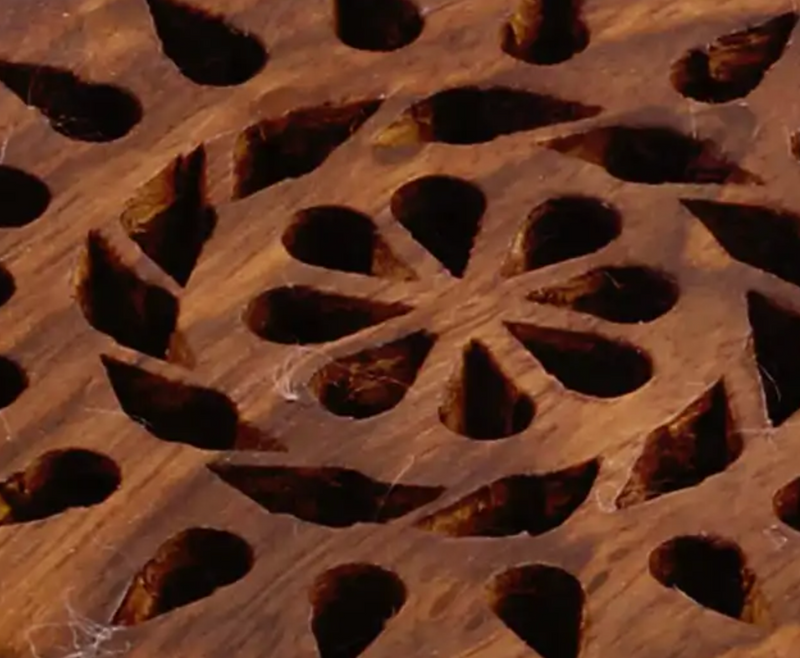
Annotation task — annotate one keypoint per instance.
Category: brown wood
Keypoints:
(456, 328)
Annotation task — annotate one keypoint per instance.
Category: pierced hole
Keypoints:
(470, 115)
(794, 144)
(25, 197)
(734, 64)
(699, 443)
(294, 145)
(762, 237)
(652, 155)
(443, 214)
(561, 229)
(136, 314)
(350, 607)
(786, 504)
(339, 238)
(630, 294)
(169, 218)
(586, 363)
(543, 606)
(57, 481)
(530, 504)
(13, 381)
(381, 26)
(545, 32)
(775, 331)
(204, 47)
(372, 381)
(75, 108)
(7, 287)
(298, 314)
(333, 497)
(481, 402)
(713, 572)
(181, 413)
(188, 567)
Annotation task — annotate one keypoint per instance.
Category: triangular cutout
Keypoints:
(543, 605)
(734, 64)
(775, 342)
(584, 362)
(343, 239)
(699, 443)
(332, 497)
(73, 107)
(443, 214)
(373, 381)
(204, 47)
(169, 217)
(764, 238)
(182, 413)
(517, 504)
(294, 145)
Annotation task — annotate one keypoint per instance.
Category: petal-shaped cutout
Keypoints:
(294, 145)
(775, 332)
(182, 413)
(543, 606)
(480, 402)
(136, 314)
(298, 314)
(169, 217)
(77, 109)
(471, 115)
(697, 444)
(204, 47)
(333, 497)
(652, 155)
(560, 229)
(373, 381)
(713, 572)
(55, 482)
(629, 294)
(586, 363)
(443, 214)
(13, 381)
(530, 504)
(545, 31)
(377, 26)
(786, 504)
(350, 607)
(188, 567)
(763, 237)
(340, 238)
(734, 64)
(25, 197)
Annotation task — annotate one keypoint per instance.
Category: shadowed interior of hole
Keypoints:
(299, 314)
(380, 26)
(138, 315)
(733, 65)
(545, 31)
(204, 47)
(372, 381)
(294, 145)
(188, 567)
(57, 481)
(586, 363)
(75, 108)
(443, 214)
(560, 229)
(481, 402)
(628, 294)
(13, 381)
(786, 504)
(710, 570)
(543, 605)
(25, 197)
(530, 504)
(333, 497)
(351, 604)
(7, 285)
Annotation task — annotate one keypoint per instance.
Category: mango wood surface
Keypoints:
(462, 328)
